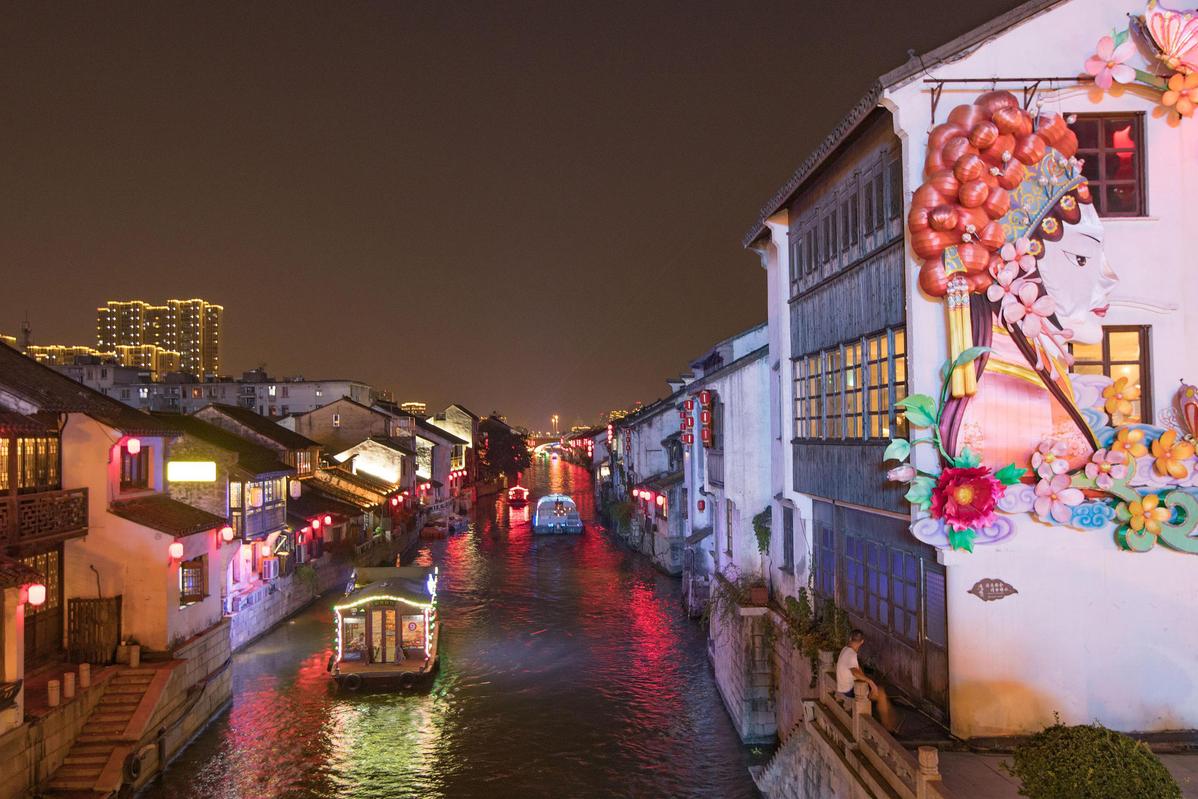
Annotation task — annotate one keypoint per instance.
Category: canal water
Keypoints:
(568, 669)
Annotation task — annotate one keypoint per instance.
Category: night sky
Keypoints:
(530, 207)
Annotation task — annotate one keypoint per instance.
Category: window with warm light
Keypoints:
(1123, 352)
(192, 581)
(1112, 149)
(847, 392)
(37, 463)
(135, 469)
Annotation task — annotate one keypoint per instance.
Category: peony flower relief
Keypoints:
(1171, 454)
(1105, 467)
(1054, 498)
(1049, 458)
(965, 498)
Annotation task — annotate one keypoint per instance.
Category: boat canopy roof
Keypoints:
(550, 499)
(410, 584)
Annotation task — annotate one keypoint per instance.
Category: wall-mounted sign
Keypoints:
(191, 471)
(990, 589)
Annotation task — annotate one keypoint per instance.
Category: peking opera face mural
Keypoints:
(1011, 244)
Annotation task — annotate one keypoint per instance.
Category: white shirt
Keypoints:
(845, 663)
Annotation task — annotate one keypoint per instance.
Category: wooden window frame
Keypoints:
(135, 470)
(197, 569)
(1099, 184)
(1144, 363)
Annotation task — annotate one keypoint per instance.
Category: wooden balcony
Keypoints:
(47, 517)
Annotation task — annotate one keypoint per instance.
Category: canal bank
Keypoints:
(568, 669)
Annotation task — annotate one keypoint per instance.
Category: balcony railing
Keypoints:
(44, 517)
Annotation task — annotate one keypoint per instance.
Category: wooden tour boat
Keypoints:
(517, 496)
(387, 629)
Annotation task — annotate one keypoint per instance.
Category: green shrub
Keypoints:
(1090, 762)
(761, 528)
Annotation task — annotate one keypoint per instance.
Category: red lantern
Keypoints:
(690, 422)
(705, 436)
(316, 524)
(689, 405)
(37, 594)
(226, 533)
(176, 550)
(661, 500)
(702, 505)
(705, 397)
(328, 519)
(265, 550)
(705, 417)
(394, 501)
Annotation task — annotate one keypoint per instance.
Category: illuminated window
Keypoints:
(1111, 146)
(135, 469)
(192, 581)
(336, 420)
(1124, 352)
(847, 392)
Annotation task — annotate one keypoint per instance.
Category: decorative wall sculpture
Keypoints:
(1012, 244)
(1166, 41)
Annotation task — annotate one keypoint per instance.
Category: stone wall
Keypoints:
(793, 672)
(290, 596)
(742, 657)
(806, 767)
(32, 752)
(210, 496)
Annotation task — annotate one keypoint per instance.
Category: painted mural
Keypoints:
(1164, 42)
(1010, 242)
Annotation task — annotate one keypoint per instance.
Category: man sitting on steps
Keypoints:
(848, 670)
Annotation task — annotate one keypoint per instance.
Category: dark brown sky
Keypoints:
(534, 207)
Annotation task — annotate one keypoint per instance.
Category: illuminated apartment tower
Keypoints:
(188, 327)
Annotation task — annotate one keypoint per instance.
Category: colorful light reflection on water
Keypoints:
(568, 670)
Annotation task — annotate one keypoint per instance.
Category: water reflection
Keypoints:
(567, 670)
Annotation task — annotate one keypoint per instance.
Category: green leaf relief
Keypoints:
(961, 539)
(971, 354)
(898, 450)
(1010, 474)
(920, 409)
(920, 492)
(967, 459)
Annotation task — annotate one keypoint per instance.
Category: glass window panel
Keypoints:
(1121, 165)
(1124, 344)
(1119, 132)
(1088, 369)
(1086, 129)
(1089, 352)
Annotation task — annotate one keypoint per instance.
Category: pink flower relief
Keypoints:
(1055, 497)
(1049, 459)
(1018, 253)
(1029, 310)
(1105, 467)
(1107, 63)
(1006, 284)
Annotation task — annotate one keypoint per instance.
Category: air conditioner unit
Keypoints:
(270, 568)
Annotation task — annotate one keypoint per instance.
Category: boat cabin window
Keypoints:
(353, 637)
(412, 633)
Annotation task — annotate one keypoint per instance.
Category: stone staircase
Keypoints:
(94, 765)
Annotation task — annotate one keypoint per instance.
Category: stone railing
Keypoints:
(883, 765)
(43, 517)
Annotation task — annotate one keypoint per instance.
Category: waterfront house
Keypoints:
(980, 626)
(297, 451)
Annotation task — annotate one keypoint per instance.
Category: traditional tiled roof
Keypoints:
(397, 444)
(14, 573)
(429, 427)
(255, 459)
(314, 501)
(13, 423)
(45, 389)
(160, 512)
(264, 427)
(916, 65)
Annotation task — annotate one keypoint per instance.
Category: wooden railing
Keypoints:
(44, 517)
(883, 765)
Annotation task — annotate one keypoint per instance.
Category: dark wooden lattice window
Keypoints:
(1112, 147)
(192, 581)
(135, 469)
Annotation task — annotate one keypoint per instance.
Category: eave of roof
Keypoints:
(160, 512)
(263, 426)
(917, 65)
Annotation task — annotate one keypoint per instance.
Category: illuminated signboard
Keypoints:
(191, 471)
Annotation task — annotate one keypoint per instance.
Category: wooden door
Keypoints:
(93, 629)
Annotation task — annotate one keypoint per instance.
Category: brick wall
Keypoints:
(212, 497)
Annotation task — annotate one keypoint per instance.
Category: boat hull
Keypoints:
(387, 680)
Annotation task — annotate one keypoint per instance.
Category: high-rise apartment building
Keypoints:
(188, 327)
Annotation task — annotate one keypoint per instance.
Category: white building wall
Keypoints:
(1093, 633)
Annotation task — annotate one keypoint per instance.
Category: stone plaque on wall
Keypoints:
(990, 589)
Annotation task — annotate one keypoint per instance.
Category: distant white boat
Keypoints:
(556, 513)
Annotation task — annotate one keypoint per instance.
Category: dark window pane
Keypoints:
(1086, 129)
(1121, 166)
(1121, 199)
(1119, 133)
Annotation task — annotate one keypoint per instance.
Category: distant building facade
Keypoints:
(188, 327)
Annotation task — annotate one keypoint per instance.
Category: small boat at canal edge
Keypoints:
(387, 629)
(517, 496)
(556, 513)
